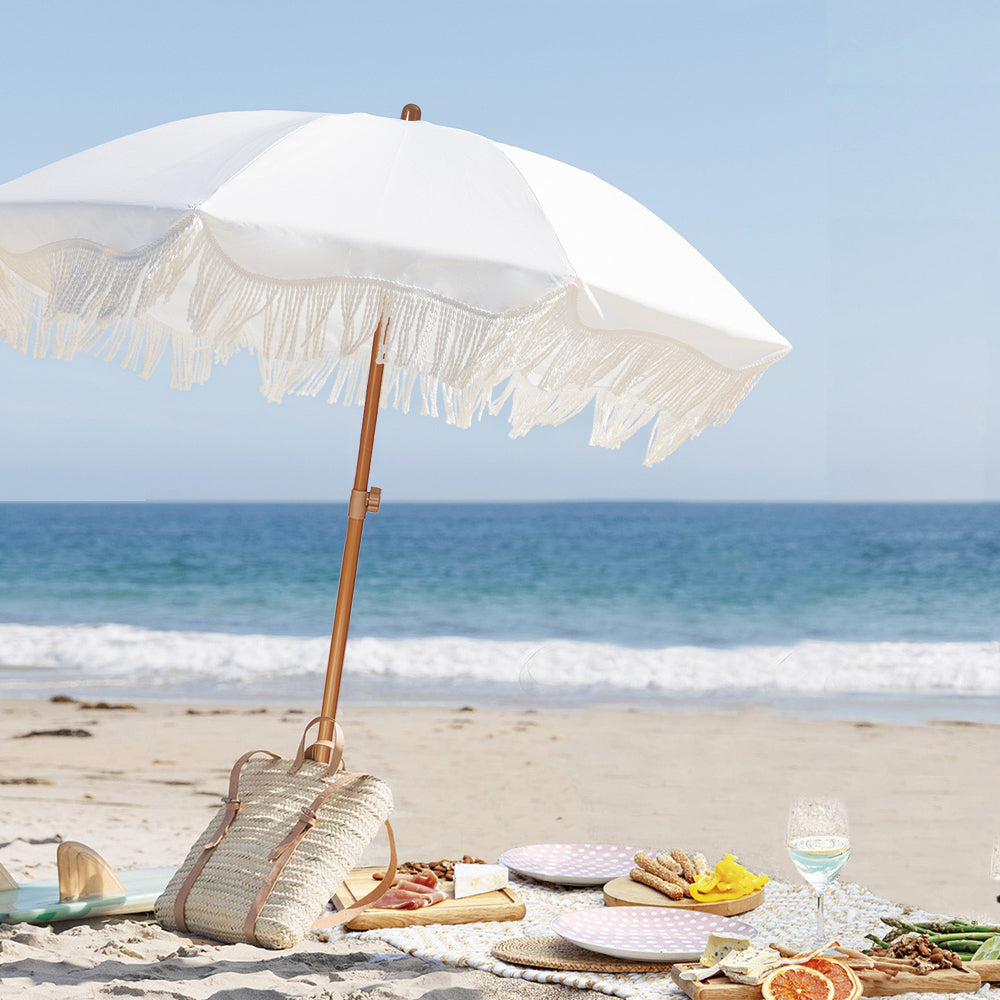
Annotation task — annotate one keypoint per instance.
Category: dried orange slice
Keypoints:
(846, 985)
(796, 982)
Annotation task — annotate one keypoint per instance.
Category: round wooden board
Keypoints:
(625, 891)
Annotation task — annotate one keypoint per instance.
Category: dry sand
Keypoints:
(922, 801)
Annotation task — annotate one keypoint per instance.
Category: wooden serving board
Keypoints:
(940, 981)
(501, 904)
(989, 972)
(625, 891)
(716, 988)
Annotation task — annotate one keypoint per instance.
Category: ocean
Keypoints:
(679, 604)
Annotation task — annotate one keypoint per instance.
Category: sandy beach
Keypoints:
(478, 780)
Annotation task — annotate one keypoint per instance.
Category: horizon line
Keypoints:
(512, 501)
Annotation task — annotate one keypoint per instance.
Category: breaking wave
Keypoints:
(35, 660)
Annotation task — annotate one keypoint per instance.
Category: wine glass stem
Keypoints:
(820, 931)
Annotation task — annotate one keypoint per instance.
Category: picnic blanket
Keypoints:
(787, 915)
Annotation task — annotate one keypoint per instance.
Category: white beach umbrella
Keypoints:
(344, 249)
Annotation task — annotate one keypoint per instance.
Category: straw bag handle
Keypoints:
(336, 747)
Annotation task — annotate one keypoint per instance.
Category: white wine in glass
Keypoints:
(819, 843)
(995, 861)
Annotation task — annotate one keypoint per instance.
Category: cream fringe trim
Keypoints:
(71, 297)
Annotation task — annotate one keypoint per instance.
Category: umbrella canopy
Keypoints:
(379, 257)
(508, 277)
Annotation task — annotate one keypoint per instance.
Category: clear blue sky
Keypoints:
(839, 162)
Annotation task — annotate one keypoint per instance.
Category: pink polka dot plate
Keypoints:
(645, 933)
(571, 864)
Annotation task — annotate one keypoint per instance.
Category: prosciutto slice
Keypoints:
(425, 878)
(411, 892)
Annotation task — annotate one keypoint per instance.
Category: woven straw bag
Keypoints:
(280, 846)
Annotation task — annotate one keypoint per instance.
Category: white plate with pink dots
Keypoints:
(571, 864)
(645, 933)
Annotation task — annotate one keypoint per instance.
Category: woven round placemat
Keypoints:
(556, 953)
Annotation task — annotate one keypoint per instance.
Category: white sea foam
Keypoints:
(38, 658)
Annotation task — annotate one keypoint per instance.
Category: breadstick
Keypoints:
(852, 952)
(653, 866)
(899, 964)
(855, 959)
(687, 869)
(783, 950)
(668, 862)
(876, 975)
(700, 863)
(670, 889)
(646, 863)
(856, 963)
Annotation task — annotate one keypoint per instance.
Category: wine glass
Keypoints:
(819, 844)
(995, 861)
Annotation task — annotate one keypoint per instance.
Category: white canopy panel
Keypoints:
(507, 276)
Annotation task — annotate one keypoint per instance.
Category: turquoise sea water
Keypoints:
(642, 574)
(244, 583)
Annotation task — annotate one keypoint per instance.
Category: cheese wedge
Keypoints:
(471, 880)
(720, 945)
(750, 965)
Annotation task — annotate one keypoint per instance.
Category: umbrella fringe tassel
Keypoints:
(314, 334)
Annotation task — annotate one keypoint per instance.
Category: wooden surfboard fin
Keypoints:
(84, 873)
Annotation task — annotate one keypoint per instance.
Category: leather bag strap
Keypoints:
(336, 747)
(348, 913)
(232, 802)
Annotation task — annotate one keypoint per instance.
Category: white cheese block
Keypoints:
(750, 965)
(720, 945)
(754, 978)
(741, 961)
(471, 880)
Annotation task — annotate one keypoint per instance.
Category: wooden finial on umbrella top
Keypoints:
(411, 113)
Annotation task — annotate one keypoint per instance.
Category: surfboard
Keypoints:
(39, 902)
(86, 887)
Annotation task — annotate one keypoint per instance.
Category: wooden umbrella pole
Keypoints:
(363, 501)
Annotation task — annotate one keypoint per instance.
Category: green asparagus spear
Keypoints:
(961, 936)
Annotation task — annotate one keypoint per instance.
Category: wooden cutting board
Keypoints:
(627, 892)
(940, 981)
(501, 904)
(989, 972)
